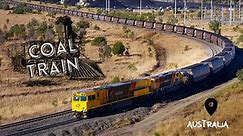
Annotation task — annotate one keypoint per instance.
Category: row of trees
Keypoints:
(105, 50)
(131, 15)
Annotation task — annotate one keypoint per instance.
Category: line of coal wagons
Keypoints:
(92, 98)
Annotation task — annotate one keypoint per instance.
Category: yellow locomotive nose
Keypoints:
(79, 103)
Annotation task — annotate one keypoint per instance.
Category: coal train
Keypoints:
(126, 93)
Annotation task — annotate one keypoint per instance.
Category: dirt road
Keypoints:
(146, 125)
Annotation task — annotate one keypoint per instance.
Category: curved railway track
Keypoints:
(34, 125)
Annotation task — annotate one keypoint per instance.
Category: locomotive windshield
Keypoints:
(75, 98)
(79, 98)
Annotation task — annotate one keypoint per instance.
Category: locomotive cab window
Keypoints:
(83, 98)
(76, 98)
(91, 97)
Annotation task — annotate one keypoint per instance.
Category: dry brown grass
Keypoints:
(230, 108)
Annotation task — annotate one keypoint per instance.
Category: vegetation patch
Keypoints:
(132, 67)
(37, 82)
(118, 48)
(99, 41)
(115, 79)
(215, 25)
(21, 9)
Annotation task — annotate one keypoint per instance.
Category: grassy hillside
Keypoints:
(230, 109)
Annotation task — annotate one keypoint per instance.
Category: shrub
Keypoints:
(21, 9)
(55, 102)
(236, 28)
(50, 14)
(156, 134)
(105, 51)
(132, 67)
(4, 6)
(118, 48)
(115, 79)
(18, 62)
(186, 48)
(17, 30)
(128, 33)
(240, 39)
(96, 27)
(83, 24)
(78, 7)
(172, 20)
(239, 74)
(99, 41)
(214, 26)
(192, 26)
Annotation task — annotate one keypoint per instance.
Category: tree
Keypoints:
(215, 26)
(99, 41)
(118, 48)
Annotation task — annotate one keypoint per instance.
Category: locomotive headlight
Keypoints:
(78, 105)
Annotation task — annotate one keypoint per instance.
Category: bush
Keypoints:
(18, 62)
(236, 28)
(78, 7)
(186, 48)
(240, 39)
(105, 51)
(96, 27)
(172, 20)
(21, 9)
(83, 24)
(50, 14)
(239, 74)
(128, 33)
(132, 67)
(118, 48)
(215, 26)
(17, 30)
(115, 79)
(4, 6)
(99, 41)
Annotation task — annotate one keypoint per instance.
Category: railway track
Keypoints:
(10, 129)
